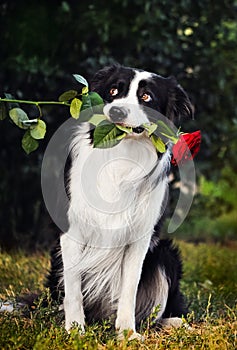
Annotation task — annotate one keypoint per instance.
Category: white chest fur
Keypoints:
(113, 199)
(116, 199)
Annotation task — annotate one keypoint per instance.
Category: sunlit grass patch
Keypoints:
(21, 273)
(209, 284)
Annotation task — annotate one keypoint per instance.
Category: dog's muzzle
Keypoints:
(118, 114)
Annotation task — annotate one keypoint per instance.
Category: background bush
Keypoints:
(43, 44)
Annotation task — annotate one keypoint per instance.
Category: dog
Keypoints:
(111, 263)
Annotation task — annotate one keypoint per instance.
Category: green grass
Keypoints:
(209, 283)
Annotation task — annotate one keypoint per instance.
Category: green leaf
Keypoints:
(18, 116)
(75, 108)
(86, 102)
(29, 144)
(107, 135)
(120, 137)
(9, 96)
(85, 90)
(126, 129)
(158, 143)
(81, 79)
(11, 105)
(151, 128)
(166, 131)
(38, 131)
(97, 119)
(3, 111)
(95, 99)
(67, 96)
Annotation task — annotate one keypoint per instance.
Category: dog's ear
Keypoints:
(97, 83)
(179, 105)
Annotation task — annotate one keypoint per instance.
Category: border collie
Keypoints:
(111, 263)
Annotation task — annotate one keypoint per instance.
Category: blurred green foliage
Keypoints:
(214, 213)
(43, 43)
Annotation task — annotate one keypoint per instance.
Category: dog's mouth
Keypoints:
(135, 129)
(138, 129)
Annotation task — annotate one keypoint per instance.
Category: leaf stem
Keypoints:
(37, 103)
(40, 110)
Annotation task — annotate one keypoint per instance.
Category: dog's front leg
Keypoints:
(131, 273)
(73, 300)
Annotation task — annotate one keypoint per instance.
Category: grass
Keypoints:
(209, 283)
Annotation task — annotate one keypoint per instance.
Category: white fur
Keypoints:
(115, 203)
(162, 296)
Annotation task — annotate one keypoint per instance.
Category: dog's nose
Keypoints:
(117, 114)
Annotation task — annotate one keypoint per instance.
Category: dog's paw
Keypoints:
(69, 326)
(129, 335)
(136, 336)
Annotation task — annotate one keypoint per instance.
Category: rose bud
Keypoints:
(187, 146)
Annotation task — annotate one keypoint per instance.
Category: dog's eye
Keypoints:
(146, 98)
(113, 92)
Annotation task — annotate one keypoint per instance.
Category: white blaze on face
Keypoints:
(135, 114)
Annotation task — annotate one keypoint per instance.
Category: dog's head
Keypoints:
(131, 94)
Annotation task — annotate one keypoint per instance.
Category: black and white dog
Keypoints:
(111, 262)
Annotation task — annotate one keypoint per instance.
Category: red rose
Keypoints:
(186, 148)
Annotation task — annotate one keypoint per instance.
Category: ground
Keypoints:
(209, 283)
